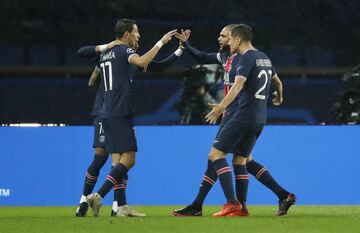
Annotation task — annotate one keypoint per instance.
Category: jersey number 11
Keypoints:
(109, 82)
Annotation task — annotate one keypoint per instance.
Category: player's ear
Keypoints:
(126, 35)
(238, 40)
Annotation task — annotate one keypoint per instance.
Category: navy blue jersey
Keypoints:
(229, 63)
(256, 67)
(99, 99)
(98, 103)
(117, 77)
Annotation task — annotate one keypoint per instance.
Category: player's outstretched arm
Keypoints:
(92, 50)
(218, 109)
(165, 63)
(144, 60)
(203, 57)
(278, 94)
(200, 56)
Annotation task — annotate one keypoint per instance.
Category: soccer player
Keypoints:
(229, 61)
(118, 67)
(101, 154)
(120, 207)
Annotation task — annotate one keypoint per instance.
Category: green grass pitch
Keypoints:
(339, 219)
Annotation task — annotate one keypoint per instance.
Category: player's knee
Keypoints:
(239, 160)
(128, 159)
(249, 159)
(100, 151)
(216, 154)
(115, 161)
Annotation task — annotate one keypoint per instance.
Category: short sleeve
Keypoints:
(129, 53)
(244, 66)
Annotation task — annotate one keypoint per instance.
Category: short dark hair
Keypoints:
(122, 26)
(229, 27)
(243, 31)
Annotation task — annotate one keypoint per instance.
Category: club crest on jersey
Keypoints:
(130, 50)
(108, 56)
(102, 139)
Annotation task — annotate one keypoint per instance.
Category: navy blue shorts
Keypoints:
(237, 137)
(99, 136)
(119, 134)
(224, 119)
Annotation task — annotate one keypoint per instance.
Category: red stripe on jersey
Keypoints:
(226, 89)
(227, 66)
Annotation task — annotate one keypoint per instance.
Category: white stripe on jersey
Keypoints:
(218, 56)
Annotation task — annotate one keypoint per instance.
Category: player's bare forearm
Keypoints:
(218, 109)
(94, 77)
(145, 59)
(278, 85)
(278, 90)
(234, 91)
(112, 44)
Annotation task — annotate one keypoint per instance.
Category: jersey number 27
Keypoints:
(263, 74)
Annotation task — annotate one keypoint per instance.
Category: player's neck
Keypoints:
(246, 47)
(124, 41)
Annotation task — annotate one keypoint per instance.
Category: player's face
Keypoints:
(134, 37)
(234, 46)
(223, 40)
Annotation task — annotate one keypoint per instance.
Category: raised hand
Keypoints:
(183, 37)
(167, 37)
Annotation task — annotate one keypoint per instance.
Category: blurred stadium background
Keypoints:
(313, 44)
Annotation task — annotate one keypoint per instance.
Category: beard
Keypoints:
(225, 49)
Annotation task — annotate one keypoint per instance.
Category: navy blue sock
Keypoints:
(241, 183)
(92, 173)
(120, 192)
(114, 178)
(207, 183)
(224, 173)
(263, 175)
